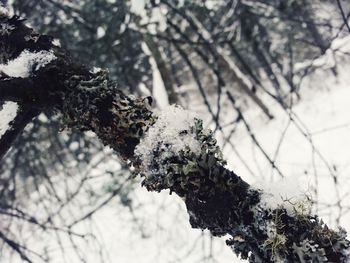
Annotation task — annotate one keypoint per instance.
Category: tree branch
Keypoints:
(345, 19)
(24, 116)
(16, 89)
(16, 247)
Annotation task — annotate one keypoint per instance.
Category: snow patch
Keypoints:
(101, 32)
(95, 70)
(3, 11)
(138, 7)
(341, 44)
(167, 136)
(286, 193)
(327, 60)
(74, 146)
(7, 114)
(56, 42)
(27, 63)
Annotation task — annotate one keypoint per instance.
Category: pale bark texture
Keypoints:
(216, 198)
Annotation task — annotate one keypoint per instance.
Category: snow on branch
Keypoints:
(27, 63)
(169, 135)
(7, 115)
(3, 10)
(287, 194)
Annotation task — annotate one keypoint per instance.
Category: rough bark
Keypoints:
(216, 198)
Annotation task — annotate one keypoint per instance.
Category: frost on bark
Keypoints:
(184, 159)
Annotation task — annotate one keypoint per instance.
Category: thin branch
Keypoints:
(16, 247)
(345, 19)
(24, 116)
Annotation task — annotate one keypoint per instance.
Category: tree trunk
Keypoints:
(164, 70)
(171, 151)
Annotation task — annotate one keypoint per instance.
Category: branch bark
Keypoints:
(16, 89)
